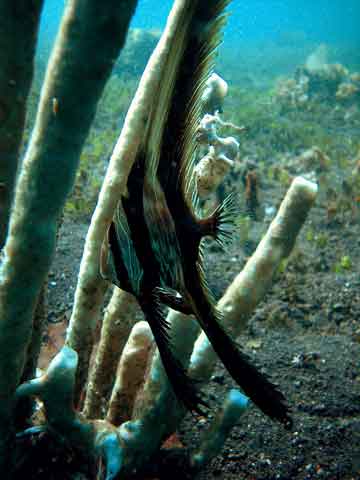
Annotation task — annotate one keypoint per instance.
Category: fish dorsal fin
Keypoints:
(195, 64)
(210, 14)
(162, 102)
(175, 112)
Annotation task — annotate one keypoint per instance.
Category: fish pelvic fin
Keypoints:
(184, 388)
(119, 262)
(174, 300)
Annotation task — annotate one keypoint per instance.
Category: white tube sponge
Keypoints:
(157, 412)
(119, 318)
(210, 172)
(19, 22)
(89, 41)
(130, 375)
(90, 288)
(212, 442)
(249, 287)
(221, 157)
(214, 94)
(55, 389)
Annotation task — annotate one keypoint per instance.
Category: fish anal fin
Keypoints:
(254, 383)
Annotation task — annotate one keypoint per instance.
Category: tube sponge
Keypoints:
(234, 406)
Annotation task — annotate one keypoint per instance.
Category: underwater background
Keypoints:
(286, 29)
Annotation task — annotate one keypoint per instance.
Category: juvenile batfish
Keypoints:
(153, 248)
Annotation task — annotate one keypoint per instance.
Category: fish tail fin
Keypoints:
(184, 388)
(254, 383)
(221, 223)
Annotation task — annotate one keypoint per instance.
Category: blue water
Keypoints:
(329, 21)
